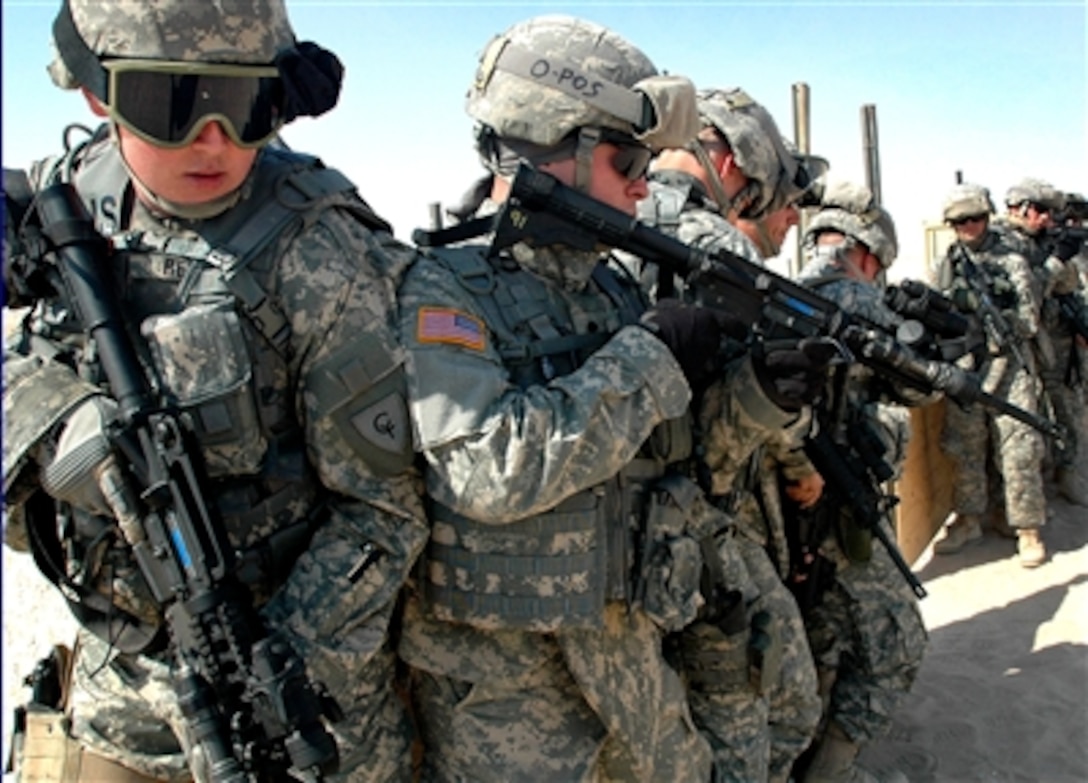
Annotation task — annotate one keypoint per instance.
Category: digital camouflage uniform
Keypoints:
(1058, 358)
(532, 396)
(974, 436)
(757, 730)
(867, 628)
(324, 511)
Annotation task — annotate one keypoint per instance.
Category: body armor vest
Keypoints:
(558, 568)
(217, 347)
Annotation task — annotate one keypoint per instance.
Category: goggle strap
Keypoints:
(78, 57)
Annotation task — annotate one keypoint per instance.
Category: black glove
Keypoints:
(965, 300)
(792, 376)
(694, 335)
(1067, 245)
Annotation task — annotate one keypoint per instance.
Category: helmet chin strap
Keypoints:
(766, 245)
(168, 208)
(713, 179)
(588, 139)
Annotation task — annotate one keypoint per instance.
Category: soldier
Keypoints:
(982, 263)
(739, 165)
(769, 232)
(261, 287)
(555, 436)
(1029, 223)
(865, 629)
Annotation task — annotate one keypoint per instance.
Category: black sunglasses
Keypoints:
(632, 157)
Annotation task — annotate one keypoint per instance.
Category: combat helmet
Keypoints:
(1030, 190)
(966, 200)
(554, 86)
(757, 146)
(850, 209)
(807, 186)
(89, 33)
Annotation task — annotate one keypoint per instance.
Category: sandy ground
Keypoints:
(1003, 690)
(1002, 694)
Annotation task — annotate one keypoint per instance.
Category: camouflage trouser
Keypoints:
(755, 734)
(1067, 402)
(794, 699)
(970, 434)
(124, 708)
(127, 710)
(867, 631)
(580, 705)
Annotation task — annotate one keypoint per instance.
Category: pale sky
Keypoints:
(996, 90)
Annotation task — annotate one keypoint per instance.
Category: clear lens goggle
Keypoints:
(169, 103)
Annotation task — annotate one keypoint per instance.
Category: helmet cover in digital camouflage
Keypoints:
(1031, 190)
(967, 200)
(850, 209)
(550, 75)
(753, 136)
(225, 31)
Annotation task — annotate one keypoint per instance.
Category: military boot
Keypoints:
(1030, 546)
(963, 529)
(834, 762)
(1070, 486)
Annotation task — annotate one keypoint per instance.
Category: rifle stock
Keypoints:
(242, 689)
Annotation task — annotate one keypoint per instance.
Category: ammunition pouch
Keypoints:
(729, 653)
(712, 660)
(855, 540)
(668, 579)
(201, 356)
(765, 652)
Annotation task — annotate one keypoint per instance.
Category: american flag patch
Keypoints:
(442, 325)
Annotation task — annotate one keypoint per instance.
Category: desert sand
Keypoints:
(1002, 694)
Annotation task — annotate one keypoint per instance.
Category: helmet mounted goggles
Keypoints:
(169, 103)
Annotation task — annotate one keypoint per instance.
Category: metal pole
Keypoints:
(871, 150)
(802, 128)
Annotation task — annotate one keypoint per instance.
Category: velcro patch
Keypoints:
(452, 327)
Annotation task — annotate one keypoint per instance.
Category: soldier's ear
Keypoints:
(95, 105)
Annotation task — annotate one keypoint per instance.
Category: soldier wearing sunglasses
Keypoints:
(260, 286)
(740, 168)
(551, 408)
(985, 258)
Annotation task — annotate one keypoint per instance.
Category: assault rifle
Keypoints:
(851, 459)
(997, 328)
(241, 688)
(543, 211)
(945, 333)
(1070, 221)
